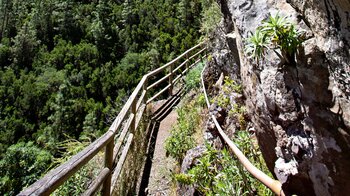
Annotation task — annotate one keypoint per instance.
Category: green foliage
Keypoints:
(181, 139)
(188, 121)
(235, 111)
(257, 45)
(217, 172)
(25, 44)
(275, 33)
(230, 86)
(201, 100)
(178, 144)
(282, 34)
(184, 179)
(5, 52)
(239, 112)
(222, 100)
(21, 166)
(210, 18)
(242, 120)
(193, 77)
(67, 66)
(79, 182)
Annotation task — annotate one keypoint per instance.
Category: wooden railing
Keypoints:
(274, 185)
(116, 148)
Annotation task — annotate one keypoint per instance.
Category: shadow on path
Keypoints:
(152, 130)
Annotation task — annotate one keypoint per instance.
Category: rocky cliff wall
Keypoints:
(301, 113)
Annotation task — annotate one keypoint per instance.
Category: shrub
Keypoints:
(21, 166)
(210, 19)
(217, 172)
(181, 137)
(201, 100)
(181, 140)
(193, 78)
(231, 85)
(223, 98)
(179, 143)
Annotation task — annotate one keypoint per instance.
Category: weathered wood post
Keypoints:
(133, 112)
(205, 53)
(171, 79)
(106, 189)
(144, 88)
(187, 63)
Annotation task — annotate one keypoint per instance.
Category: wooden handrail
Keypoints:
(56, 177)
(152, 73)
(122, 136)
(159, 93)
(121, 161)
(273, 184)
(137, 100)
(159, 81)
(96, 184)
(181, 65)
(141, 99)
(198, 53)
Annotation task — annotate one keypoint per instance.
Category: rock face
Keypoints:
(301, 113)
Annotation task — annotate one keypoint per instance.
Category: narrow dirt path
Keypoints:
(160, 182)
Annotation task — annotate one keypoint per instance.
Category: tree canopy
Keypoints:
(67, 66)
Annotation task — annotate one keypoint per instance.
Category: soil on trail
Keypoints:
(160, 182)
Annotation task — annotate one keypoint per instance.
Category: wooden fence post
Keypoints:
(133, 111)
(187, 62)
(171, 79)
(106, 189)
(144, 88)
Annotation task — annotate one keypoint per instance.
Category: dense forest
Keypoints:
(66, 67)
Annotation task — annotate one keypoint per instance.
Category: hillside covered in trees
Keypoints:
(67, 66)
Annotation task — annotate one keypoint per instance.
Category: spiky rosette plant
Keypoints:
(257, 44)
(278, 34)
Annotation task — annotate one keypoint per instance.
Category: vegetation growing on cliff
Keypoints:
(278, 34)
(217, 172)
